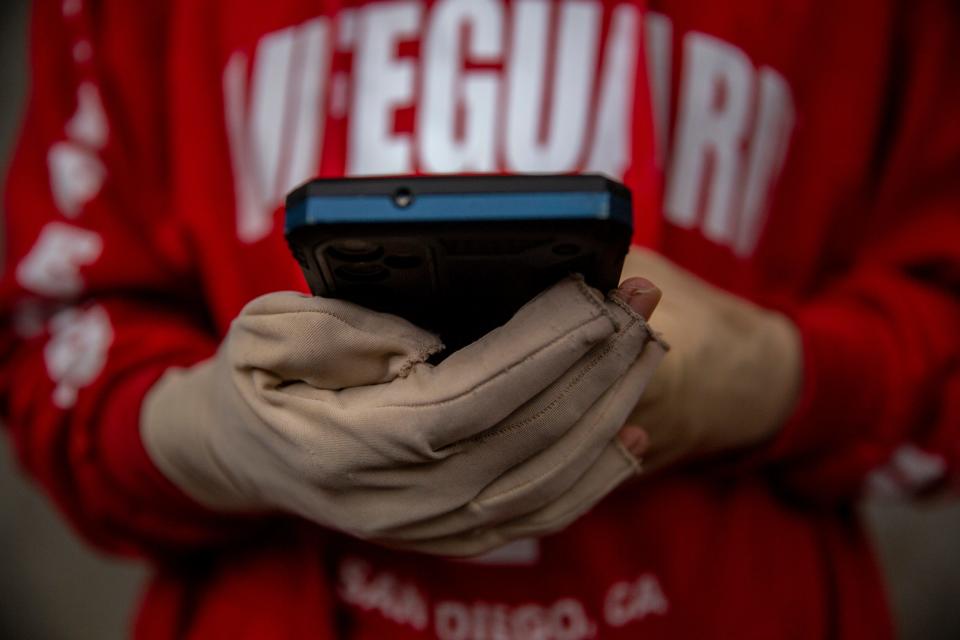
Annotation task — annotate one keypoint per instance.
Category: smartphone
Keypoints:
(457, 254)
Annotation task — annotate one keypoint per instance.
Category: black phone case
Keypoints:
(457, 255)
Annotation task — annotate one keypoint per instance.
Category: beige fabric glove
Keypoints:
(325, 409)
(732, 375)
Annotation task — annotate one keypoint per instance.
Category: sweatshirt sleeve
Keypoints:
(95, 295)
(879, 413)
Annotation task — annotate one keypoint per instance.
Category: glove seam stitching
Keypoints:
(482, 383)
(552, 524)
(656, 336)
(603, 313)
(561, 464)
(587, 369)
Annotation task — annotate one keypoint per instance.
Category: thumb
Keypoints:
(329, 344)
(634, 439)
(641, 294)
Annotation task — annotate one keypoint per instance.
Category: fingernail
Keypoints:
(634, 439)
(638, 286)
(641, 294)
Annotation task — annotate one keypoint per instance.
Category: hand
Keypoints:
(324, 409)
(731, 377)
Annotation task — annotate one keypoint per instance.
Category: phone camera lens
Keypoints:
(355, 250)
(403, 197)
(362, 272)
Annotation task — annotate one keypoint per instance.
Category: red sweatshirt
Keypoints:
(811, 153)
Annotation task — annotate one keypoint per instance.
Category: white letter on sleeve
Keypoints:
(76, 172)
(52, 268)
(77, 351)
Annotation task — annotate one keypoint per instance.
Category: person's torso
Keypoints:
(767, 116)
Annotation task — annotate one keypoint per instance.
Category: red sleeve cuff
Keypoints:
(157, 508)
(846, 380)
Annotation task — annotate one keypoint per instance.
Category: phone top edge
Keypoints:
(459, 208)
(459, 184)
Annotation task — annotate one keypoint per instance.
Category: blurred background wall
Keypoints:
(52, 586)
